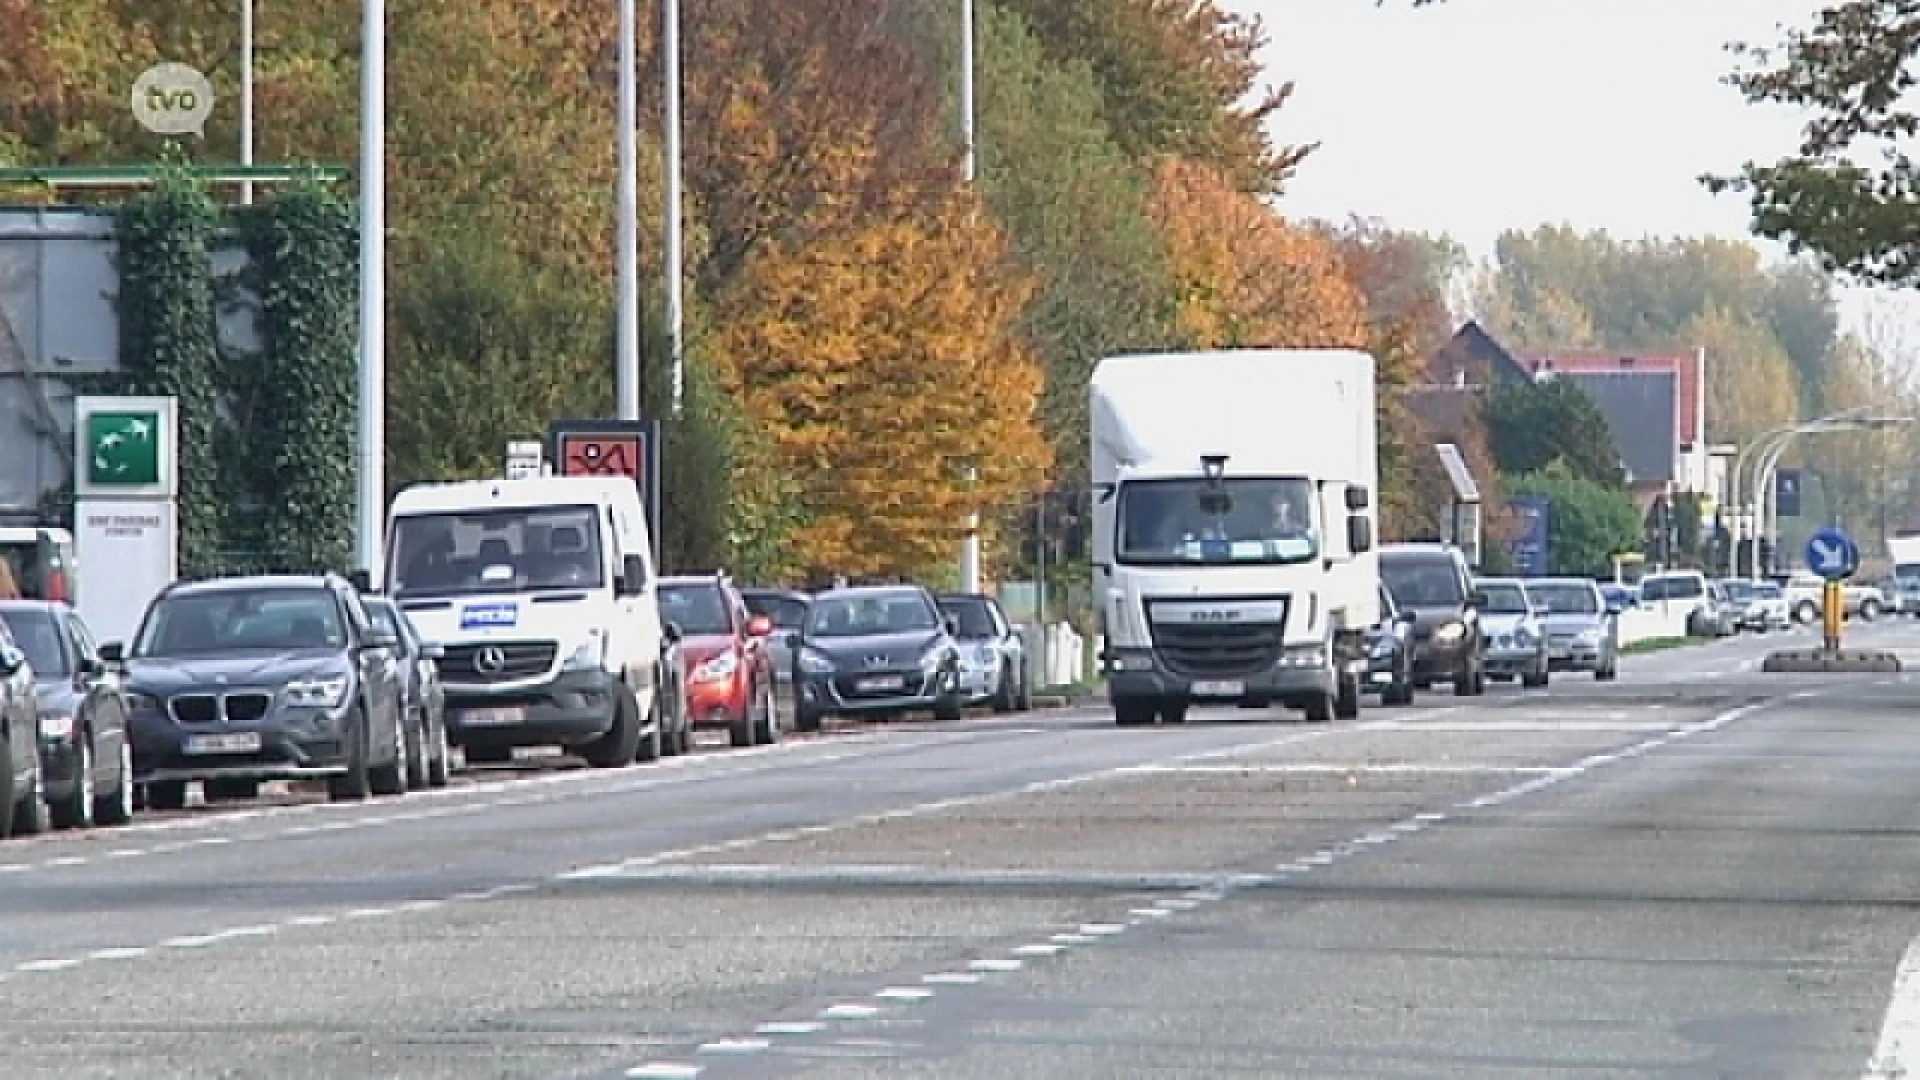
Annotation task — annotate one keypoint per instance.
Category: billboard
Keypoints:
(1529, 549)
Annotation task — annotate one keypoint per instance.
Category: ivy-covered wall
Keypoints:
(266, 435)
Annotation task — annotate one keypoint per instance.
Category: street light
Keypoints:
(246, 98)
(1772, 446)
(373, 285)
(970, 544)
(626, 270)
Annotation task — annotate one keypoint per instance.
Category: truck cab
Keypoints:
(540, 592)
(1234, 530)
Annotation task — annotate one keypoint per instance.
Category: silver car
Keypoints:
(993, 658)
(1516, 640)
(1583, 626)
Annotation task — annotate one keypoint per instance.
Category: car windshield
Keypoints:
(1174, 522)
(1428, 582)
(1737, 592)
(1566, 598)
(235, 620)
(491, 551)
(38, 635)
(1767, 590)
(869, 613)
(1503, 598)
(786, 612)
(974, 617)
(695, 609)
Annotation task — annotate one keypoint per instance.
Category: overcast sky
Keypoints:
(1474, 116)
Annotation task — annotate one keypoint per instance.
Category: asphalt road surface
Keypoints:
(1697, 872)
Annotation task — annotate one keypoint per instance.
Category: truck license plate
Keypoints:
(505, 717)
(234, 742)
(1219, 689)
(881, 683)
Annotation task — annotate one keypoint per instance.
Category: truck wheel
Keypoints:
(1347, 705)
(652, 743)
(1321, 709)
(622, 741)
(1132, 712)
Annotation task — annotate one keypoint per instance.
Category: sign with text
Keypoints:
(628, 448)
(133, 544)
(124, 447)
(1529, 550)
(1786, 493)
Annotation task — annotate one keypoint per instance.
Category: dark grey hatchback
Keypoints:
(876, 649)
(86, 760)
(236, 681)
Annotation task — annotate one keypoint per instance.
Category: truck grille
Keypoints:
(496, 662)
(1206, 652)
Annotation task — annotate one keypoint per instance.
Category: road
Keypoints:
(1696, 872)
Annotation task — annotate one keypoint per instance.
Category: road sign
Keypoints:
(124, 447)
(1786, 493)
(612, 448)
(1832, 554)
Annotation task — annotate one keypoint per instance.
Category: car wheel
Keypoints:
(653, 737)
(767, 725)
(1006, 696)
(356, 783)
(76, 810)
(947, 709)
(116, 806)
(440, 764)
(1870, 610)
(1321, 709)
(30, 814)
(390, 777)
(1346, 706)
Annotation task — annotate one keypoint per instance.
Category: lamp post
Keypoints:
(1774, 445)
(970, 543)
(246, 98)
(373, 251)
(626, 271)
(670, 68)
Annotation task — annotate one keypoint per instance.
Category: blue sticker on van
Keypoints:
(485, 616)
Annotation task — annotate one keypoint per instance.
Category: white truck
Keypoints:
(1234, 529)
(1905, 553)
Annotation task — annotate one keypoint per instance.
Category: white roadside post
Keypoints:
(373, 253)
(670, 67)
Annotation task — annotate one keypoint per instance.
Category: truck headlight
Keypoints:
(315, 693)
(1304, 656)
(717, 668)
(815, 664)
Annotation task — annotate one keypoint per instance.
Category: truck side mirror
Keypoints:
(1357, 498)
(1359, 533)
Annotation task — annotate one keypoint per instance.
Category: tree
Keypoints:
(883, 363)
(1750, 380)
(1243, 276)
(1176, 77)
(1534, 425)
(1852, 71)
(1587, 523)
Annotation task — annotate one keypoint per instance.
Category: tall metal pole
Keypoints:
(246, 97)
(626, 368)
(373, 251)
(970, 544)
(670, 50)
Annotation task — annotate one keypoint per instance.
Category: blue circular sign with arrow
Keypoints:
(1832, 554)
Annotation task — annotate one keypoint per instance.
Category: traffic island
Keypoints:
(1831, 662)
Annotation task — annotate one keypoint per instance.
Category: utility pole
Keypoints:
(246, 98)
(970, 544)
(670, 65)
(373, 286)
(626, 365)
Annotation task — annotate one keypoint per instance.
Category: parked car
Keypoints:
(1390, 653)
(1582, 625)
(1766, 608)
(787, 610)
(993, 658)
(23, 802)
(877, 650)
(86, 759)
(1516, 640)
(1804, 590)
(1433, 582)
(1719, 615)
(727, 669)
(232, 682)
(429, 754)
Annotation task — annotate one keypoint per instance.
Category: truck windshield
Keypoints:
(1243, 520)
(490, 551)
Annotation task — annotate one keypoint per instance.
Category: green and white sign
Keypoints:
(124, 447)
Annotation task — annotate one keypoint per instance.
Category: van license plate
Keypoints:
(492, 717)
(236, 742)
(1219, 689)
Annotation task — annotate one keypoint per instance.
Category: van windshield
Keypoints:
(490, 551)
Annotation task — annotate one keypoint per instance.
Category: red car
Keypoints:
(729, 669)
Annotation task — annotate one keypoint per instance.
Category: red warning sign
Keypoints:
(612, 454)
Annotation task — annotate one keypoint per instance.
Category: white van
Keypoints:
(540, 592)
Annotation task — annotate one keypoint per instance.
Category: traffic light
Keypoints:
(1786, 493)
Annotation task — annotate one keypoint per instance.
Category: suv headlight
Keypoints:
(588, 656)
(1450, 633)
(137, 702)
(814, 663)
(315, 693)
(717, 667)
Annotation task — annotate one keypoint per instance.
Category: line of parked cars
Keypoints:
(1441, 624)
(516, 614)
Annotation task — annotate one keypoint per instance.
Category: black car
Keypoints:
(235, 681)
(86, 759)
(1390, 653)
(876, 649)
(429, 757)
(1434, 582)
(23, 802)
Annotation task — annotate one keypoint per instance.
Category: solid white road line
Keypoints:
(1897, 1055)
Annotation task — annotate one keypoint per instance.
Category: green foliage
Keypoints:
(487, 347)
(1533, 425)
(696, 464)
(168, 343)
(1851, 73)
(299, 441)
(1587, 523)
